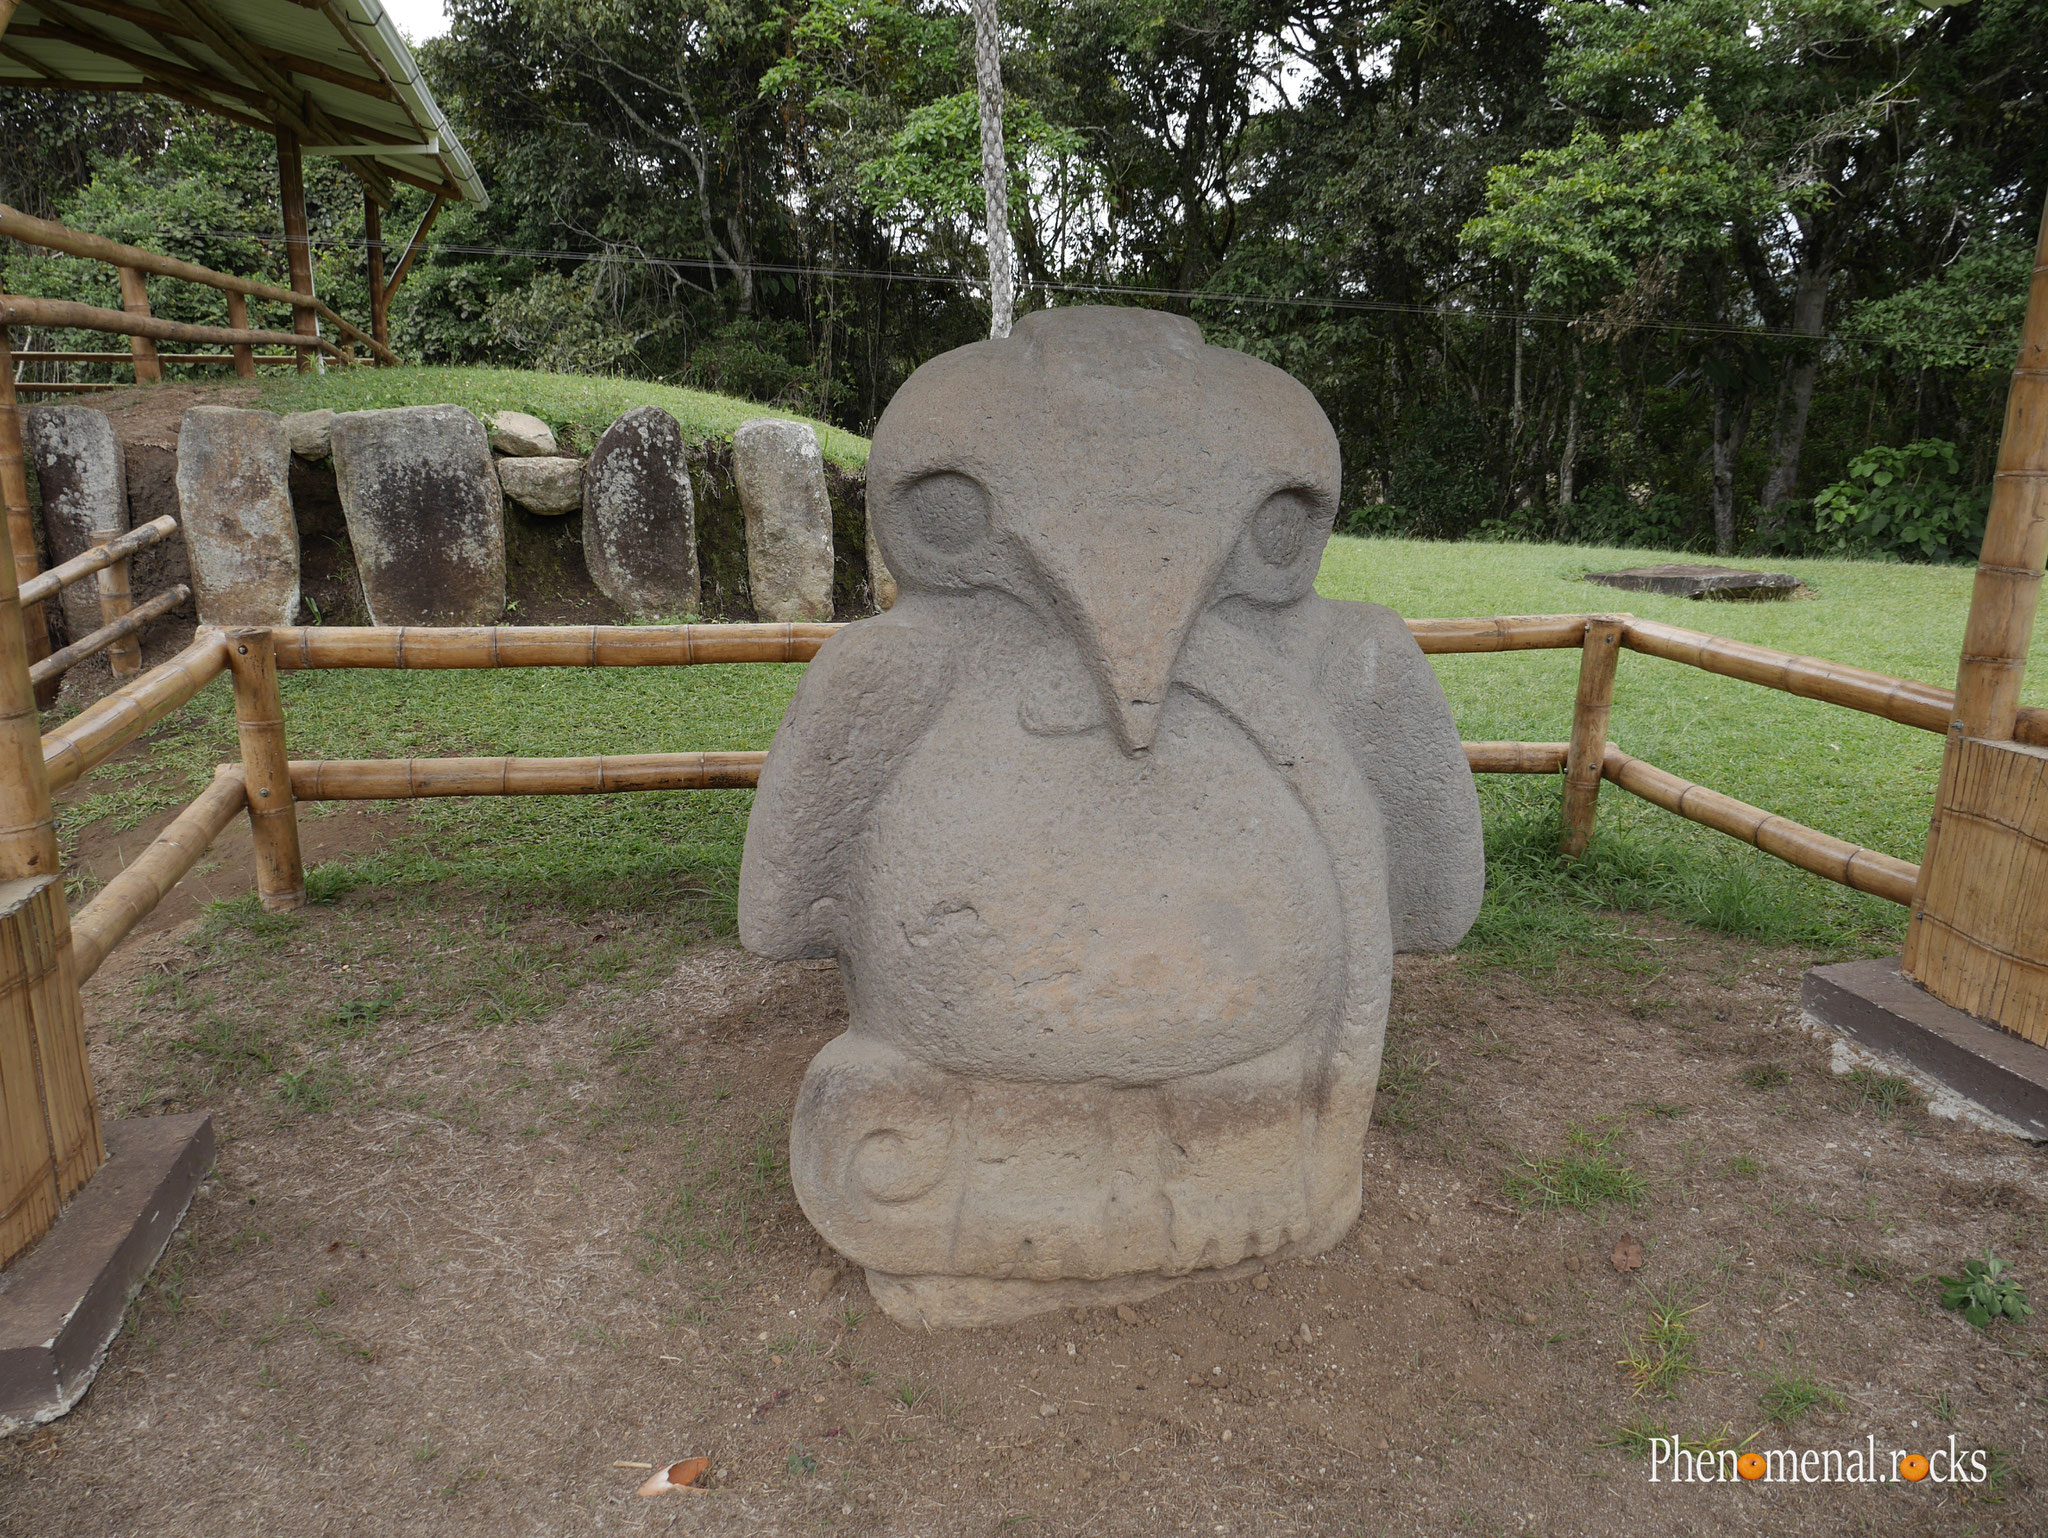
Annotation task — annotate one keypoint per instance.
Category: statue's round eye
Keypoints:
(949, 511)
(1281, 525)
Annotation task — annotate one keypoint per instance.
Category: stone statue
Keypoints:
(1114, 827)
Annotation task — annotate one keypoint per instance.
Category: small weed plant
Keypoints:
(1662, 1355)
(1587, 1175)
(1791, 1395)
(1984, 1293)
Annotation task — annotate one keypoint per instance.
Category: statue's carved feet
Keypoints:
(977, 1201)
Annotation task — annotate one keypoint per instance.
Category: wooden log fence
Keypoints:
(129, 898)
(117, 633)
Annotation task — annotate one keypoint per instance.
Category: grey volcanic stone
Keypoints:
(881, 581)
(1699, 582)
(311, 433)
(83, 475)
(639, 516)
(550, 487)
(425, 514)
(520, 436)
(1115, 827)
(781, 478)
(235, 509)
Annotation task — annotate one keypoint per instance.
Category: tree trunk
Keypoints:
(1731, 426)
(995, 180)
(1788, 431)
(1567, 468)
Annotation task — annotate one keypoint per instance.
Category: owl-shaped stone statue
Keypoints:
(1114, 827)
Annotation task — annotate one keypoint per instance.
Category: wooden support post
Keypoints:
(238, 319)
(291, 188)
(21, 527)
(135, 301)
(124, 657)
(1588, 753)
(266, 769)
(380, 296)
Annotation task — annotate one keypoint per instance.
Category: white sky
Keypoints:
(417, 19)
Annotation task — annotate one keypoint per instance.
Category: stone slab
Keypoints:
(235, 514)
(83, 477)
(1872, 1002)
(1698, 581)
(61, 1305)
(781, 475)
(640, 516)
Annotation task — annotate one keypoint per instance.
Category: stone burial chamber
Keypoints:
(1114, 826)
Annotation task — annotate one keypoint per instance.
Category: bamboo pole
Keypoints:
(135, 301)
(109, 637)
(238, 320)
(2007, 593)
(48, 584)
(1516, 757)
(1863, 869)
(397, 779)
(266, 769)
(21, 528)
(1834, 683)
(129, 898)
(111, 723)
(17, 311)
(1588, 753)
(58, 237)
(298, 250)
(543, 646)
(1508, 633)
(117, 601)
(380, 296)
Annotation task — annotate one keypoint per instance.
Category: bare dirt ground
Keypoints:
(501, 1215)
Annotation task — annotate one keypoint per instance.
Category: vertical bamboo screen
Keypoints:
(1978, 938)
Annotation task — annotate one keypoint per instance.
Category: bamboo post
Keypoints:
(124, 657)
(380, 296)
(1588, 753)
(266, 769)
(135, 301)
(238, 320)
(21, 528)
(291, 189)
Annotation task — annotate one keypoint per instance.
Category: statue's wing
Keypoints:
(863, 703)
(1392, 712)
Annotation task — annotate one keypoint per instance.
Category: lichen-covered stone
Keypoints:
(781, 476)
(311, 433)
(550, 487)
(639, 516)
(83, 476)
(425, 515)
(1114, 826)
(520, 436)
(235, 510)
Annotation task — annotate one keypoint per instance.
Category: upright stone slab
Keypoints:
(425, 515)
(83, 475)
(1114, 825)
(639, 516)
(781, 476)
(235, 510)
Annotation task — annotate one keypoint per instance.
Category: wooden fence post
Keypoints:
(1588, 756)
(380, 296)
(21, 528)
(266, 769)
(238, 319)
(135, 300)
(124, 656)
(298, 249)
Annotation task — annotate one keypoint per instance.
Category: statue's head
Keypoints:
(1111, 470)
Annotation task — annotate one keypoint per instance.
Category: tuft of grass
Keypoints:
(1763, 1076)
(1791, 1395)
(1743, 1167)
(1662, 1354)
(1404, 1075)
(911, 1395)
(1587, 1175)
(1884, 1093)
(1635, 1436)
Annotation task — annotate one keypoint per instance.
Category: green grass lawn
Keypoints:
(582, 405)
(1857, 777)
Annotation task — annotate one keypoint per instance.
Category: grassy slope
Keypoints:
(1848, 774)
(578, 403)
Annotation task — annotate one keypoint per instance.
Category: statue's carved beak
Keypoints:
(1130, 596)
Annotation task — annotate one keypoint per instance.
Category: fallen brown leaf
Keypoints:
(1628, 1254)
(685, 1475)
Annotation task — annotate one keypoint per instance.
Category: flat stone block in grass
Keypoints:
(80, 467)
(425, 514)
(235, 511)
(1699, 582)
(781, 477)
(639, 516)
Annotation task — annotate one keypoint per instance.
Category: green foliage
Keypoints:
(1791, 1395)
(1903, 502)
(1586, 1176)
(1984, 1293)
(1965, 317)
(932, 169)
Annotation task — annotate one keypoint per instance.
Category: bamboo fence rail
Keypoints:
(393, 779)
(48, 584)
(129, 898)
(17, 311)
(545, 646)
(108, 725)
(1509, 633)
(108, 636)
(1516, 757)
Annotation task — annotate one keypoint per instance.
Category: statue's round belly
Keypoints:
(1046, 907)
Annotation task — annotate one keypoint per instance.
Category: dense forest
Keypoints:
(1734, 274)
